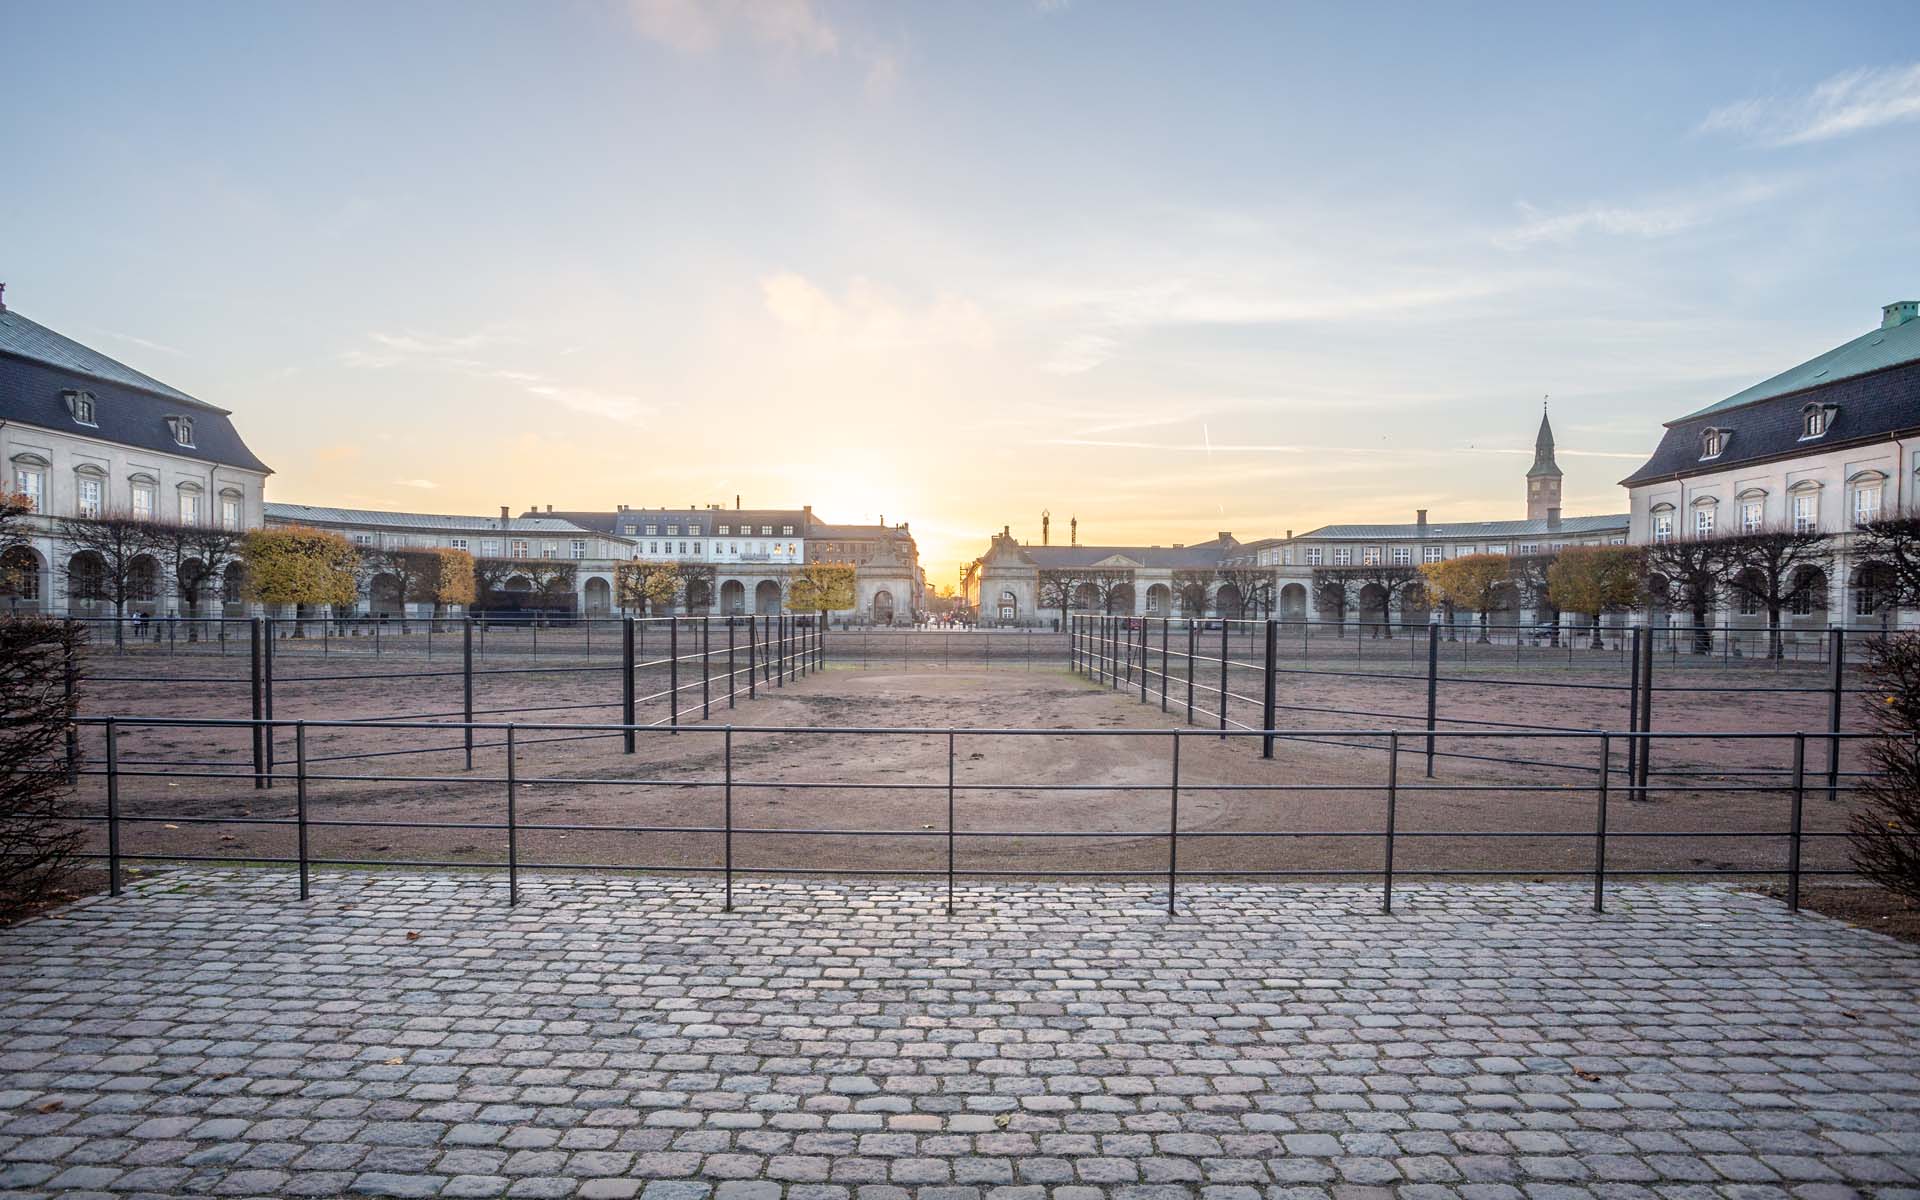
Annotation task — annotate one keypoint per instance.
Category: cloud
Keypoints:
(1654, 219)
(868, 316)
(697, 26)
(144, 344)
(436, 354)
(1847, 103)
(423, 484)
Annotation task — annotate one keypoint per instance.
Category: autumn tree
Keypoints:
(646, 586)
(1774, 568)
(1596, 580)
(112, 561)
(1475, 582)
(1688, 573)
(294, 564)
(443, 577)
(822, 587)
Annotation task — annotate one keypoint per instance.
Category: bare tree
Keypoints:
(112, 561)
(1330, 592)
(1396, 583)
(696, 587)
(1528, 575)
(1774, 567)
(197, 557)
(550, 577)
(1190, 586)
(1689, 573)
(1059, 588)
(1895, 541)
(1253, 585)
(409, 568)
(1109, 583)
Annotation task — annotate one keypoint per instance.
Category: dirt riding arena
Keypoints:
(1027, 804)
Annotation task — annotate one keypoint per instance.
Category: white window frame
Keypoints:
(1433, 554)
(30, 480)
(518, 548)
(1806, 511)
(1403, 556)
(579, 547)
(1343, 557)
(84, 505)
(1874, 488)
(1660, 526)
(1753, 515)
(1703, 520)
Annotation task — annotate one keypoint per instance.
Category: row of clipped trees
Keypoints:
(115, 561)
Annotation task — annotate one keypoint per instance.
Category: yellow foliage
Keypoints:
(1472, 581)
(822, 587)
(643, 585)
(446, 577)
(292, 564)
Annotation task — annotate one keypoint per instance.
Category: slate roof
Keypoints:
(1202, 554)
(1867, 408)
(1609, 523)
(1873, 351)
(131, 409)
(852, 533)
(709, 519)
(316, 514)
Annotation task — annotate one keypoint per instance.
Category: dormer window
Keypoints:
(1814, 420)
(1712, 442)
(80, 405)
(182, 429)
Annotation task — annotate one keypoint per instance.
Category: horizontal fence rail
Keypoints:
(1148, 803)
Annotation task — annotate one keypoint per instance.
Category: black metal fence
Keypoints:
(1153, 829)
(1240, 676)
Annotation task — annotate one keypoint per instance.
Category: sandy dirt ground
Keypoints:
(1030, 804)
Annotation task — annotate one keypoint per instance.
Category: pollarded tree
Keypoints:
(1060, 588)
(644, 586)
(37, 835)
(1396, 583)
(1331, 594)
(443, 577)
(696, 587)
(1528, 574)
(197, 556)
(490, 576)
(402, 565)
(112, 560)
(822, 587)
(1190, 588)
(1689, 573)
(1895, 541)
(1596, 580)
(297, 565)
(1773, 568)
(1253, 585)
(1475, 582)
(551, 578)
(1109, 584)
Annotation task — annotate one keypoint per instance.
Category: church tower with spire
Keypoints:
(1543, 478)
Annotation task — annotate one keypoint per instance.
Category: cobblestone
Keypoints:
(411, 1035)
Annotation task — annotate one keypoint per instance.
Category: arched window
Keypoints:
(1866, 490)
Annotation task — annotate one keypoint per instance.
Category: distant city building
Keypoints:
(1826, 446)
(1276, 576)
(84, 435)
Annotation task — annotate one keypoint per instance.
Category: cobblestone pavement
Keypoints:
(410, 1035)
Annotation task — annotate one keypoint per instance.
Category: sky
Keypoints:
(1168, 269)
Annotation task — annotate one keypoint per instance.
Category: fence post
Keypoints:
(113, 808)
(673, 673)
(1269, 681)
(1173, 824)
(1192, 635)
(70, 686)
(300, 798)
(1646, 716)
(266, 685)
(706, 657)
(950, 822)
(1143, 659)
(513, 822)
(777, 649)
(1224, 632)
(727, 804)
(466, 683)
(1393, 799)
(1835, 692)
(259, 711)
(627, 698)
(1633, 707)
(1164, 625)
(1433, 691)
(1799, 804)
(1600, 826)
(733, 673)
(753, 670)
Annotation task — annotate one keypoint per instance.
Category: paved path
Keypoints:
(410, 1035)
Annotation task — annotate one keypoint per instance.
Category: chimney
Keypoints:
(1420, 522)
(1225, 536)
(1553, 520)
(736, 502)
(1897, 313)
(3, 297)
(503, 514)
(549, 508)
(1289, 535)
